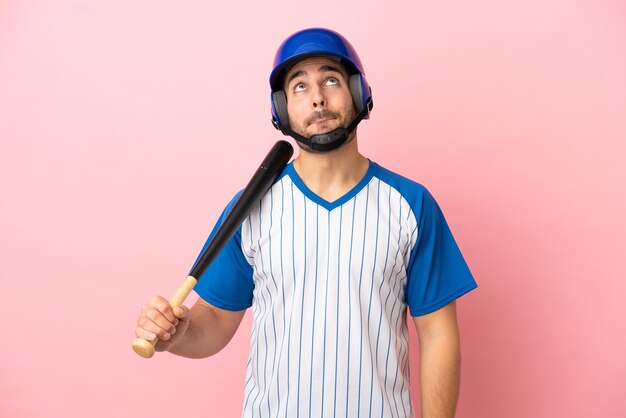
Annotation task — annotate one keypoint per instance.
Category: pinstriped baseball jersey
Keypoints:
(329, 284)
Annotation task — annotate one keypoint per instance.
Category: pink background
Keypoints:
(126, 126)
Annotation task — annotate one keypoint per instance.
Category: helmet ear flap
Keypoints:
(361, 94)
(356, 90)
(281, 117)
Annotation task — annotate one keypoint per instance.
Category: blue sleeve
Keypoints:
(227, 282)
(437, 272)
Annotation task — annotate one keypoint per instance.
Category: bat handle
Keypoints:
(144, 347)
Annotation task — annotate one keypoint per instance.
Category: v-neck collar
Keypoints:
(295, 178)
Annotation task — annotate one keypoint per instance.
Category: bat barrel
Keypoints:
(260, 182)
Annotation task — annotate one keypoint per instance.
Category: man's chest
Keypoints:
(291, 242)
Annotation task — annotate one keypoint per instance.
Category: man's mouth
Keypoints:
(323, 116)
(320, 120)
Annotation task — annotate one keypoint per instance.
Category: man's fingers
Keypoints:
(152, 320)
(164, 307)
(146, 326)
(181, 312)
(145, 334)
(159, 320)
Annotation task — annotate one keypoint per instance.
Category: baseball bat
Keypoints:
(263, 178)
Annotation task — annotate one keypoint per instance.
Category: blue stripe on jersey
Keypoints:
(258, 328)
(360, 305)
(314, 310)
(302, 308)
(282, 274)
(326, 309)
(293, 252)
(349, 314)
(369, 309)
(337, 321)
(276, 290)
(380, 317)
(267, 310)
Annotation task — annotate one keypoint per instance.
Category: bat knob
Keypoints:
(143, 347)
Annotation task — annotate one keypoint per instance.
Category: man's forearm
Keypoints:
(205, 336)
(440, 375)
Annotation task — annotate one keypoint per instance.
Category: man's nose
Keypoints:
(318, 100)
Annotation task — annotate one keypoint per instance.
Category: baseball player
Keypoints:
(329, 261)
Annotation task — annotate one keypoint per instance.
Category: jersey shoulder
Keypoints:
(413, 192)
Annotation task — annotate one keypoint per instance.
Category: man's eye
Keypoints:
(332, 81)
(298, 87)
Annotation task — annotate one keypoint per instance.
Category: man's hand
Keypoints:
(159, 320)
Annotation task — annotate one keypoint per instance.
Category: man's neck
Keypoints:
(331, 175)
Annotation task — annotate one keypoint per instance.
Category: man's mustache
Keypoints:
(322, 114)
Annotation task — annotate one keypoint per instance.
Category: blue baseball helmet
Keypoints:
(315, 42)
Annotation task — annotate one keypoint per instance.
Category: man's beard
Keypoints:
(323, 114)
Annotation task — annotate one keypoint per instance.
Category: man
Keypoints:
(329, 261)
